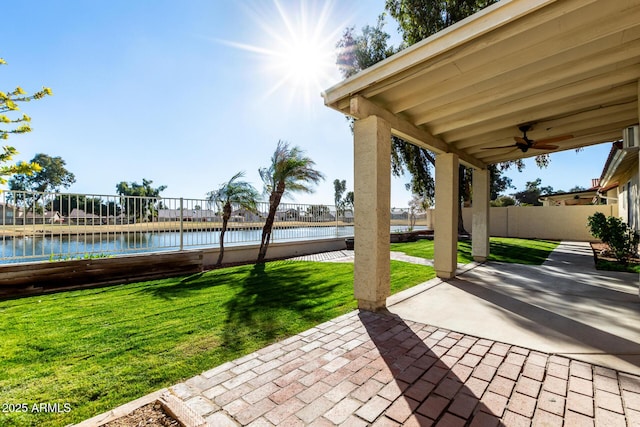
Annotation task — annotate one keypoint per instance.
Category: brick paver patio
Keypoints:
(376, 369)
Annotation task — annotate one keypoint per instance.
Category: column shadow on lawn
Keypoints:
(263, 302)
(434, 382)
(277, 300)
(508, 252)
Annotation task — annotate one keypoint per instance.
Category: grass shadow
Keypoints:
(511, 250)
(277, 299)
(502, 249)
(529, 254)
(184, 287)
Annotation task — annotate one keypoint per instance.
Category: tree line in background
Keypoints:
(30, 190)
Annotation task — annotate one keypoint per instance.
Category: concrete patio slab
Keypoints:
(564, 307)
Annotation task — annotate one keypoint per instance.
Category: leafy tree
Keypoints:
(339, 188)
(9, 103)
(66, 203)
(531, 193)
(290, 171)
(138, 200)
(503, 201)
(342, 203)
(348, 200)
(31, 188)
(417, 205)
(418, 19)
(356, 53)
(499, 182)
(318, 212)
(232, 192)
(577, 188)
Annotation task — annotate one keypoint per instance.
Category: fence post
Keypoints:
(181, 225)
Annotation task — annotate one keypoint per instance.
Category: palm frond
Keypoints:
(290, 166)
(240, 193)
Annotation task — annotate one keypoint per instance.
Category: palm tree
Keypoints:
(233, 192)
(290, 171)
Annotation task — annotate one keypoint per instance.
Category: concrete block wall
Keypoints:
(542, 222)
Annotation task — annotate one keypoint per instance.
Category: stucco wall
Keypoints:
(249, 253)
(542, 222)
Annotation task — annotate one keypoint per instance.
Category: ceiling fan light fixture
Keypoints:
(523, 143)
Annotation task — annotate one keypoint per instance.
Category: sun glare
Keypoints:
(297, 50)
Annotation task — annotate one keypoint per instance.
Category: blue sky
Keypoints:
(188, 93)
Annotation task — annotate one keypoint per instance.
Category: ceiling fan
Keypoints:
(524, 143)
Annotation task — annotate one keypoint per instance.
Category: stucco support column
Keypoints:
(372, 189)
(446, 215)
(480, 221)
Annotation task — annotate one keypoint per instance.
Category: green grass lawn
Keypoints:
(520, 251)
(96, 349)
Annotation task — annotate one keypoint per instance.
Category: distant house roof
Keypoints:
(581, 197)
(79, 213)
(201, 213)
(46, 215)
(186, 213)
(17, 211)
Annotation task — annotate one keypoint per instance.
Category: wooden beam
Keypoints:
(362, 108)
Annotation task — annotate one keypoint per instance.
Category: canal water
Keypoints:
(63, 247)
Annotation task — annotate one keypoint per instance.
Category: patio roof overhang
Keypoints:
(559, 67)
(565, 67)
(619, 165)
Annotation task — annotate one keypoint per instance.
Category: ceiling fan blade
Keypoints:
(520, 140)
(539, 146)
(554, 139)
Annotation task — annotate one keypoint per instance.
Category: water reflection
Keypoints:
(65, 246)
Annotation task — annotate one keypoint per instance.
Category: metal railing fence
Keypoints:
(39, 226)
(51, 226)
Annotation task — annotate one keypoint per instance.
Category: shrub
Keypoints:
(621, 239)
(598, 226)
